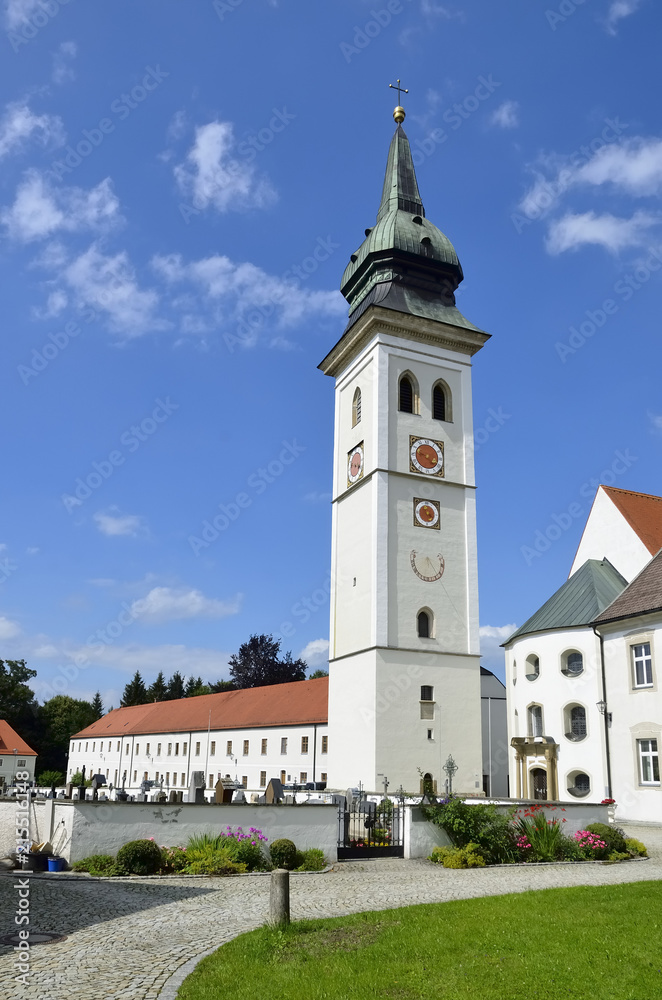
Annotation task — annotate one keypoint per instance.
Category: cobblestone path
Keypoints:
(126, 938)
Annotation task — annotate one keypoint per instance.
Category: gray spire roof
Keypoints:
(578, 602)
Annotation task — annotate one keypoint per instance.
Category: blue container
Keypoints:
(56, 864)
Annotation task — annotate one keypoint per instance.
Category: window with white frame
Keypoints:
(649, 762)
(197, 749)
(575, 723)
(572, 663)
(356, 408)
(283, 744)
(535, 720)
(532, 667)
(642, 665)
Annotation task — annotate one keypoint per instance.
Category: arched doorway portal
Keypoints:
(539, 783)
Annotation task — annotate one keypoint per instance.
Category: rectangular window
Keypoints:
(325, 744)
(20, 763)
(264, 746)
(137, 749)
(167, 778)
(427, 692)
(158, 749)
(535, 720)
(283, 777)
(430, 734)
(110, 746)
(427, 710)
(649, 762)
(94, 746)
(283, 744)
(174, 777)
(80, 745)
(147, 748)
(156, 777)
(169, 749)
(303, 777)
(197, 749)
(228, 748)
(185, 748)
(642, 665)
(244, 781)
(118, 746)
(146, 775)
(212, 749)
(211, 780)
(176, 749)
(323, 776)
(183, 778)
(126, 749)
(263, 779)
(135, 776)
(304, 744)
(246, 747)
(86, 746)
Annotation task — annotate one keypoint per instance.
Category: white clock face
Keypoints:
(355, 465)
(426, 456)
(426, 513)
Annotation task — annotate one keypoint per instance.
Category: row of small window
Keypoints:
(166, 778)
(648, 766)
(212, 747)
(572, 665)
(574, 722)
(409, 399)
(19, 763)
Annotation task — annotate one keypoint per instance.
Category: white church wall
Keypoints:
(636, 715)
(555, 692)
(608, 535)
(352, 714)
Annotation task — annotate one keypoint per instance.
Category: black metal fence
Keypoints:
(370, 829)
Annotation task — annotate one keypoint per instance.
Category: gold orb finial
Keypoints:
(399, 112)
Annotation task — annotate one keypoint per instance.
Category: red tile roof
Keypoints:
(643, 513)
(294, 704)
(10, 740)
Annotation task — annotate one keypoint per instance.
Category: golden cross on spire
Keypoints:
(399, 113)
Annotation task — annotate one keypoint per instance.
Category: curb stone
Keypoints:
(171, 986)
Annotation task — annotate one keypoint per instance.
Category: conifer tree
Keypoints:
(135, 692)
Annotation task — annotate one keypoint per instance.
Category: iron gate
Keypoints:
(370, 829)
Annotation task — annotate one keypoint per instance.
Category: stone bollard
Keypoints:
(279, 910)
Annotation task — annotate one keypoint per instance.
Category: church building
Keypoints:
(404, 686)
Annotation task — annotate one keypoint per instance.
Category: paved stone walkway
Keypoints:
(126, 938)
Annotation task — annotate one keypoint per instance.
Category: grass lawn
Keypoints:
(601, 943)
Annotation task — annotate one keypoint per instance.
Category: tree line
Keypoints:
(48, 727)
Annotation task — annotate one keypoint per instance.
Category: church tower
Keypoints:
(404, 677)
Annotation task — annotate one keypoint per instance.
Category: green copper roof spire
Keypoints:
(400, 185)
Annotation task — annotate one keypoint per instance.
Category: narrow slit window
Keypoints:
(423, 622)
(406, 395)
(356, 408)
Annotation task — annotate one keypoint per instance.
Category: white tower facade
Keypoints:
(404, 678)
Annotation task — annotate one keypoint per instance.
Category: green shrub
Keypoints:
(570, 850)
(48, 778)
(613, 837)
(458, 857)
(173, 859)
(544, 835)
(210, 860)
(283, 853)
(478, 824)
(635, 848)
(96, 864)
(619, 856)
(244, 848)
(139, 857)
(312, 860)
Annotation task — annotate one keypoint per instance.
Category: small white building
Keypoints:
(251, 735)
(15, 755)
(584, 711)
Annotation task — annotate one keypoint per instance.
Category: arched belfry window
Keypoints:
(407, 394)
(356, 408)
(424, 624)
(441, 401)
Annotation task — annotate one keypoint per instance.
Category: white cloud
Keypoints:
(56, 303)
(506, 115)
(634, 166)
(32, 550)
(39, 210)
(618, 10)
(19, 12)
(116, 524)
(8, 628)
(62, 70)
(211, 176)
(316, 653)
(316, 497)
(656, 422)
(19, 124)
(234, 291)
(491, 637)
(108, 285)
(163, 604)
(46, 652)
(609, 231)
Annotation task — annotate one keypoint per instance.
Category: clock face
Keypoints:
(427, 568)
(426, 456)
(355, 465)
(426, 514)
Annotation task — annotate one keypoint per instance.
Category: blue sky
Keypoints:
(181, 188)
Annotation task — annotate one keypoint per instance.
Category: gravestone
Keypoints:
(239, 797)
(68, 790)
(274, 793)
(173, 796)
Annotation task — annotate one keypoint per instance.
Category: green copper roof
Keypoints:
(402, 233)
(581, 599)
